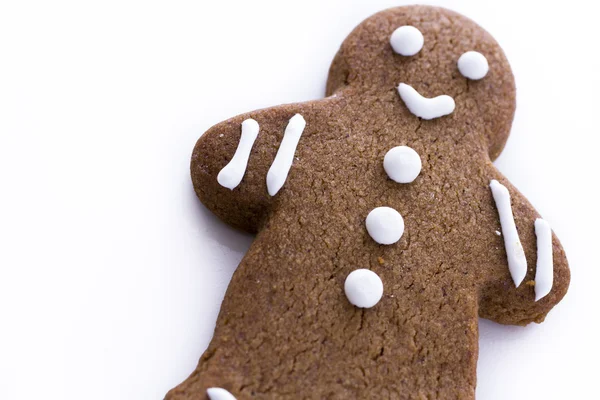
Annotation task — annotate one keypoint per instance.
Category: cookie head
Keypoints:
(436, 52)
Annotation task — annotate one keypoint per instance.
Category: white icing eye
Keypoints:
(363, 288)
(402, 164)
(385, 225)
(407, 40)
(473, 65)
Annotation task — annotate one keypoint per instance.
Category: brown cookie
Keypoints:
(288, 328)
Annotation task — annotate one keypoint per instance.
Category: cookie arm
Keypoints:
(500, 300)
(246, 205)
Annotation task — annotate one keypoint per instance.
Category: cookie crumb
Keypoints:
(380, 260)
(221, 135)
(498, 233)
(530, 283)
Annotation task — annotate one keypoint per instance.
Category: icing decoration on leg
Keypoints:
(231, 175)
(285, 155)
(517, 263)
(473, 65)
(219, 394)
(544, 273)
(424, 107)
(363, 288)
(385, 225)
(402, 164)
(407, 40)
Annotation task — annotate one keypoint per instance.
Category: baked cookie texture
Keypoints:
(286, 329)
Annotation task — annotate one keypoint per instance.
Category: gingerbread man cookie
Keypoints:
(383, 229)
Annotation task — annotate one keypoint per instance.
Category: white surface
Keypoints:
(363, 288)
(111, 272)
(231, 175)
(544, 270)
(407, 40)
(284, 158)
(426, 108)
(385, 225)
(473, 65)
(517, 263)
(402, 164)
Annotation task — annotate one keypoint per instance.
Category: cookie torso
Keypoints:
(293, 275)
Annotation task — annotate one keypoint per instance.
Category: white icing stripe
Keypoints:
(517, 263)
(219, 394)
(544, 273)
(424, 107)
(231, 175)
(285, 155)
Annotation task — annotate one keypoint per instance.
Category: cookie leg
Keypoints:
(189, 389)
(206, 383)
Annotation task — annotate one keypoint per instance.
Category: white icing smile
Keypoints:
(424, 107)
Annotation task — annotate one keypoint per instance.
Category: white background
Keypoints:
(111, 272)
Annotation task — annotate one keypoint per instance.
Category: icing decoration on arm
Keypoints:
(402, 164)
(363, 288)
(544, 273)
(473, 65)
(231, 175)
(385, 225)
(285, 155)
(424, 107)
(407, 40)
(517, 263)
(219, 394)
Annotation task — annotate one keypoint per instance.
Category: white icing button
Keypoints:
(473, 65)
(424, 107)
(402, 164)
(407, 40)
(231, 175)
(285, 155)
(219, 394)
(544, 273)
(517, 263)
(385, 225)
(363, 288)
